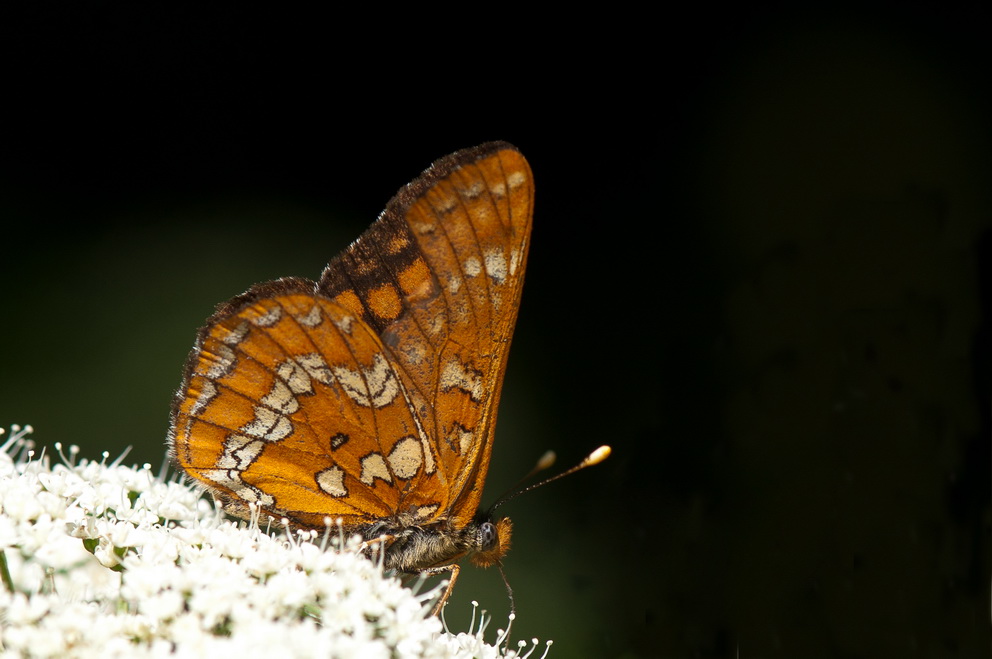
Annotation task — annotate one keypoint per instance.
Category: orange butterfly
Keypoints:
(371, 395)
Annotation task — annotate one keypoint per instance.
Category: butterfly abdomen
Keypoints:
(419, 547)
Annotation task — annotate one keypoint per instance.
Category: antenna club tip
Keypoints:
(546, 460)
(599, 455)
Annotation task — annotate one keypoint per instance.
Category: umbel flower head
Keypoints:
(102, 560)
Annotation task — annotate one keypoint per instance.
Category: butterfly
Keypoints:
(370, 395)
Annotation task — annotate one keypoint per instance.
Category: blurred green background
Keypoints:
(760, 269)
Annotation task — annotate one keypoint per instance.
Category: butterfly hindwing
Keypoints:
(373, 391)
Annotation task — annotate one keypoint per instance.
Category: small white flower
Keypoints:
(109, 561)
(62, 552)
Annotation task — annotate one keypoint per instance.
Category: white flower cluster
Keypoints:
(102, 560)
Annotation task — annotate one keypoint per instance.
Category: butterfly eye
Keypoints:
(488, 537)
(493, 542)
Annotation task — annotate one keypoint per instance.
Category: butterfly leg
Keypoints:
(375, 549)
(377, 546)
(454, 570)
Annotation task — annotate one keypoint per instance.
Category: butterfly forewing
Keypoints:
(474, 226)
(462, 232)
(374, 391)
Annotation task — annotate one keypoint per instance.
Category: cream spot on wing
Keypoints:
(374, 387)
(456, 376)
(496, 264)
(343, 323)
(316, 367)
(465, 438)
(281, 399)
(231, 480)
(311, 318)
(421, 226)
(516, 179)
(498, 189)
(239, 452)
(331, 481)
(471, 266)
(406, 457)
(438, 326)
(295, 377)
(426, 511)
(223, 360)
(474, 190)
(446, 203)
(454, 284)
(208, 391)
(222, 477)
(373, 466)
(429, 464)
(261, 498)
(237, 335)
(268, 425)
(269, 318)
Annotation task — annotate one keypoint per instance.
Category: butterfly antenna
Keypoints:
(546, 461)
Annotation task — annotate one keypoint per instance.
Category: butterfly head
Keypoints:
(492, 540)
(492, 536)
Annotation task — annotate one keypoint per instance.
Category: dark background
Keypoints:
(761, 269)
